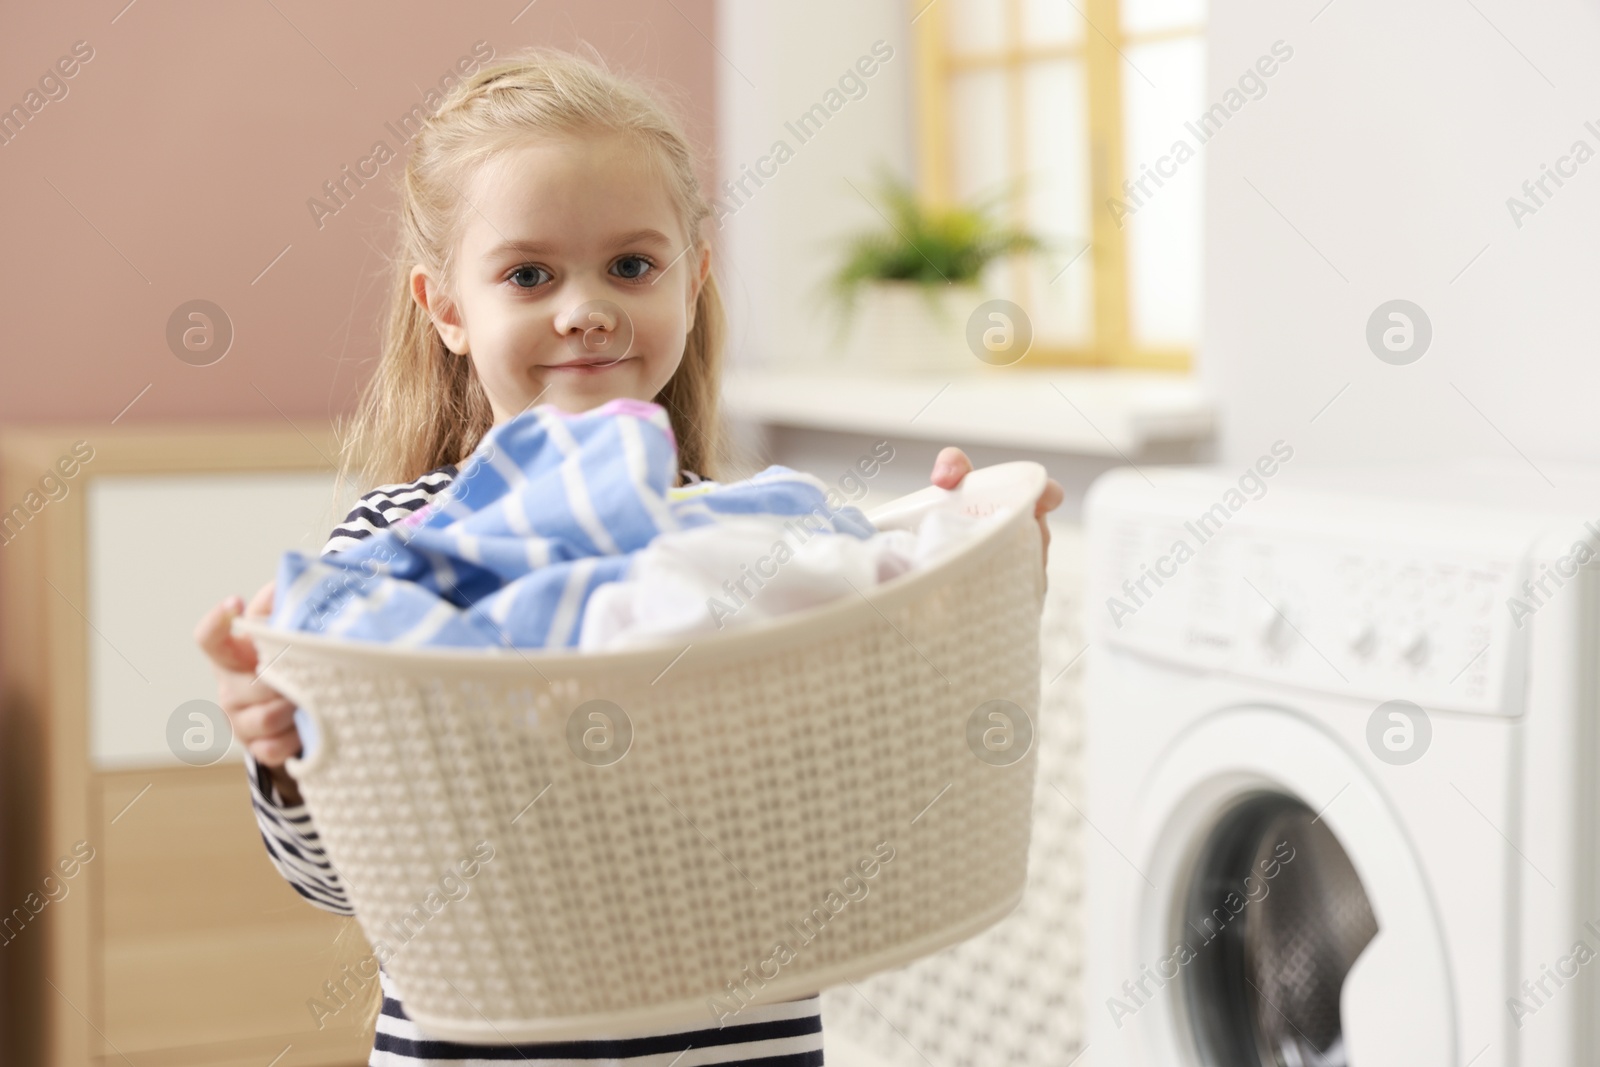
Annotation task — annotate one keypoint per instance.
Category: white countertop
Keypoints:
(1088, 412)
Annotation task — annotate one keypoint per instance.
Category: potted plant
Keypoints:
(906, 289)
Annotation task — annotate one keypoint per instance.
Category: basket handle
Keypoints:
(314, 739)
(314, 744)
(1000, 487)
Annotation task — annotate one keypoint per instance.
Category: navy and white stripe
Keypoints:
(387, 504)
(787, 1034)
(293, 845)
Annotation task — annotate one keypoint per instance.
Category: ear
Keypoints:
(697, 280)
(431, 298)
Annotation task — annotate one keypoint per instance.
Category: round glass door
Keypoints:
(1275, 916)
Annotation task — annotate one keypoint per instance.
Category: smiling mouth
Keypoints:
(587, 364)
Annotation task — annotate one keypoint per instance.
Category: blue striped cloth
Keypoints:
(547, 508)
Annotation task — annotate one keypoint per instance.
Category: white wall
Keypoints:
(1392, 140)
(780, 60)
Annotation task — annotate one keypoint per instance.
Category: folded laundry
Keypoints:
(547, 510)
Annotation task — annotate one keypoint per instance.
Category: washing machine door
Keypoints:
(1298, 932)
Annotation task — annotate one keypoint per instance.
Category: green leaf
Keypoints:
(926, 245)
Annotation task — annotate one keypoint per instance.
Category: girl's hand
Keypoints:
(952, 465)
(261, 717)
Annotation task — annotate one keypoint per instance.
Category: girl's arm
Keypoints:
(294, 846)
(263, 721)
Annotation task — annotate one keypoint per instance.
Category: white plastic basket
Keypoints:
(768, 770)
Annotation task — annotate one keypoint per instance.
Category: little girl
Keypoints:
(551, 252)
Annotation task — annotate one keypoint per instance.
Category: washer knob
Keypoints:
(1363, 639)
(1414, 648)
(1275, 632)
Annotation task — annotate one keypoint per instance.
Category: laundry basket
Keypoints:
(549, 845)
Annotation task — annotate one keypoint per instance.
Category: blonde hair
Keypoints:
(424, 406)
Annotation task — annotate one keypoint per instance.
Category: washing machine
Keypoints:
(1340, 752)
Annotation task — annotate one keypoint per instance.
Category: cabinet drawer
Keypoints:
(207, 955)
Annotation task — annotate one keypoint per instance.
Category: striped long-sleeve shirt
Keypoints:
(788, 1034)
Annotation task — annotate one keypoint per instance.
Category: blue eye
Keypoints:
(520, 277)
(632, 268)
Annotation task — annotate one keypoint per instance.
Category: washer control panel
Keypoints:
(1383, 616)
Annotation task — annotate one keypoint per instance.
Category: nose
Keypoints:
(584, 314)
(596, 329)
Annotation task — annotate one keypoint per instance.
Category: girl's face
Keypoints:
(574, 280)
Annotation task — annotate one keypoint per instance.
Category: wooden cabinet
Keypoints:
(141, 921)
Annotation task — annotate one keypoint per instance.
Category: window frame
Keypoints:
(1100, 49)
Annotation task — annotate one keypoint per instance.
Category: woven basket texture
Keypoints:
(766, 772)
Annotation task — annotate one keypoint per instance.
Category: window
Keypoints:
(1048, 107)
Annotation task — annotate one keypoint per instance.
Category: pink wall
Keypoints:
(179, 162)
